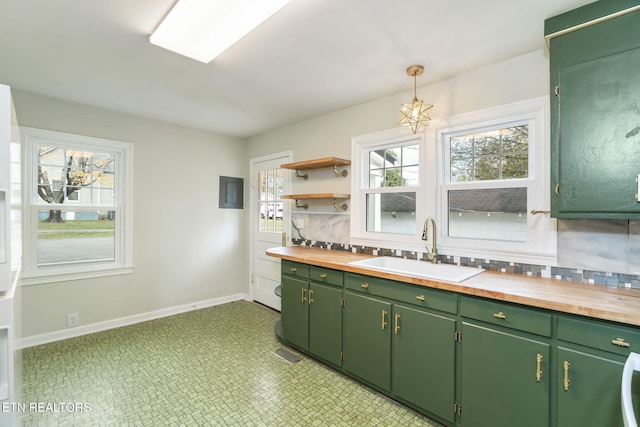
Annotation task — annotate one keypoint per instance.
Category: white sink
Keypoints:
(412, 267)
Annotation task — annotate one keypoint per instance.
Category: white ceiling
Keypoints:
(311, 58)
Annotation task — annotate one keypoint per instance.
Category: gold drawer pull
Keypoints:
(384, 322)
(304, 295)
(365, 286)
(538, 367)
(293, 269)
(499, 315)
(621, 342)
(310, 296)
(397, 327)
(566, 381)
(323, 276)
(420, 298)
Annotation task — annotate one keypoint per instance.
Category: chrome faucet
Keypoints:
(432, 255)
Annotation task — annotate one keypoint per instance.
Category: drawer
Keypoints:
(326, 275)
(612, 338)
(507, 315)
(411, 294)
(296, 269)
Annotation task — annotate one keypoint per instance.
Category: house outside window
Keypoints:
(78, 208)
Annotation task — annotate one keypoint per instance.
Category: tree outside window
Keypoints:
(78, 206)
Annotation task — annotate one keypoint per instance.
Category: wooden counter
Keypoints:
(599, 302)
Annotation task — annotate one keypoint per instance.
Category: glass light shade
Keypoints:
(415, 114)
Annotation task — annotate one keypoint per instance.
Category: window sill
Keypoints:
(535, 258)
(52, 277)
(387, 244)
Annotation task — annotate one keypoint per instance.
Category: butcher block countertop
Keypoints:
(595, 301)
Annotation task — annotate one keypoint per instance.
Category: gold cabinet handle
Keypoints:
(384, 317)
(293, 269)
(420, 298)
(499, 315)
(566, 381)
(310, 296)
(323, 276)
(397, 324)
(365, 286)
(304, 295)
(621, 342)
(538, 367)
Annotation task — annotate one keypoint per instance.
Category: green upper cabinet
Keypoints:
(595, 111)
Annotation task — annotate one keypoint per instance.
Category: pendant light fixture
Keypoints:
(416, 113)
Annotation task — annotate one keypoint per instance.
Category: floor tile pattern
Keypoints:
(209, 367)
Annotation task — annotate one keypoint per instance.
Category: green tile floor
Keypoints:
(209, 367)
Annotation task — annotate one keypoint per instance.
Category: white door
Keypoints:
(269, 220)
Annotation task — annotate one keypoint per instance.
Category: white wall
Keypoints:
(185, 249)
(598, 245)
(516, 79)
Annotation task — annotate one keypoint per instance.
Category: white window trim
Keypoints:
(123, 234)
(541, 247)
(360, 148)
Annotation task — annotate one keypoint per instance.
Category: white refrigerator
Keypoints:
(10, 252)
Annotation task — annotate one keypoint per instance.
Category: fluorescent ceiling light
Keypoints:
(203, 29)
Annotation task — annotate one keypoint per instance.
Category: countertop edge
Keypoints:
(619, 305)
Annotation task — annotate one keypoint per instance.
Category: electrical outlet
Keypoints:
(73, 319)
(300, 223)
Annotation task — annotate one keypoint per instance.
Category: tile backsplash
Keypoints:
(599, 252)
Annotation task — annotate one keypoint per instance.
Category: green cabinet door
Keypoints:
(595, 130)
(423, 355)
(325, 322)
(367, 339)
(588, 390)
(505, 379)
(295, 312)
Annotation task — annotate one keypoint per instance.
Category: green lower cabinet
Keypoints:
(505, 379)
(312, 318)
(367, 339)
(295, 311)
(423, 360)
(325, 322)
(588, 390)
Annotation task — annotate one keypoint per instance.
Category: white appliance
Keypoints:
(10, 251)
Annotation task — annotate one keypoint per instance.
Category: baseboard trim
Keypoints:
(124, 321)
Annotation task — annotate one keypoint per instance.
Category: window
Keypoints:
(492, 156)
(386, 187)
(478, 174)
(77, 206)
(493, 174)
(269, 203)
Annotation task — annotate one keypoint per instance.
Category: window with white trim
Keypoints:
(387, 188)
(493, 173)
(77, 206)
(478, 174)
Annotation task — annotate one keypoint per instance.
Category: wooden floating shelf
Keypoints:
(325, 162)
(315, 196)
